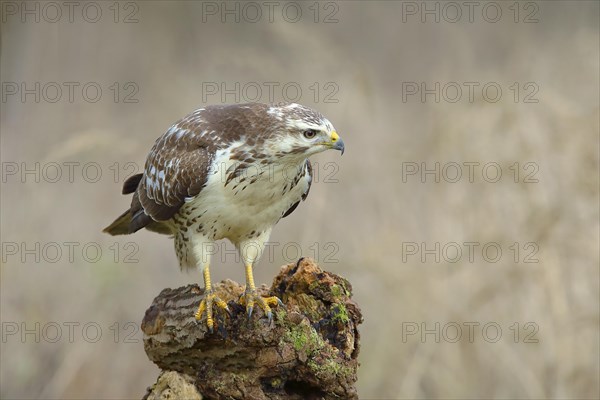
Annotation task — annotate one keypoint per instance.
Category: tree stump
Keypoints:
(308, 351)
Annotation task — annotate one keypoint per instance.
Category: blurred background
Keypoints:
(472, 284)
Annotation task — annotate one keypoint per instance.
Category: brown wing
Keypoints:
(307, 170)
(176, 168)
(179, 162)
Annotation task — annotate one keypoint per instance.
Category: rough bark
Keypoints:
(308, 351)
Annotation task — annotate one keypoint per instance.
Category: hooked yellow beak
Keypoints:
(336, 142)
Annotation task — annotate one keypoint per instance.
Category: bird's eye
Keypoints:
(310, 133)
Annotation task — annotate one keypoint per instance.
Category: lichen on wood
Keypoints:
(309, 350)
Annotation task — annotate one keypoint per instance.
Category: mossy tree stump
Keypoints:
(308, 351)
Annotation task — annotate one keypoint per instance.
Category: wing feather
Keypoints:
(307, 170)
(179, 163)
(174, 172)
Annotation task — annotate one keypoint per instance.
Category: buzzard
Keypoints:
(226, 172)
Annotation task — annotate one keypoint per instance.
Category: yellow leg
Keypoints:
(210, 298)
(251, 297)
(250, 277)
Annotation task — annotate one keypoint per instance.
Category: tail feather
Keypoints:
(131, 183)
(123, 225)
(135, 218)
(120, 226)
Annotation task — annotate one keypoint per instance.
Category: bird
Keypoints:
(227, 172)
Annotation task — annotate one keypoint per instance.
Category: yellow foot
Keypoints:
(251, 298)
(206, 306)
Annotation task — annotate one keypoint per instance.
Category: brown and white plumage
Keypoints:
(226, 172)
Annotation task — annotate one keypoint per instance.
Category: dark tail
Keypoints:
(120, 226)
(127, 223)
(131, 183)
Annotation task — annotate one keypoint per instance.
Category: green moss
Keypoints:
(340, 314)
(330, 368)
(308, 306)
(304, 338)
(344, 286)
(336, 290)
(321, 359)
(276, 383)
(280, 314)
(297, 338)
(314, 285)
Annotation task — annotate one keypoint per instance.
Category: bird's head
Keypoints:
(302, 132)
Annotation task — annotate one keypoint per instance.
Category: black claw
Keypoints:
(249, 311)
(222, 331)
(280, 303)
(269, 316)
